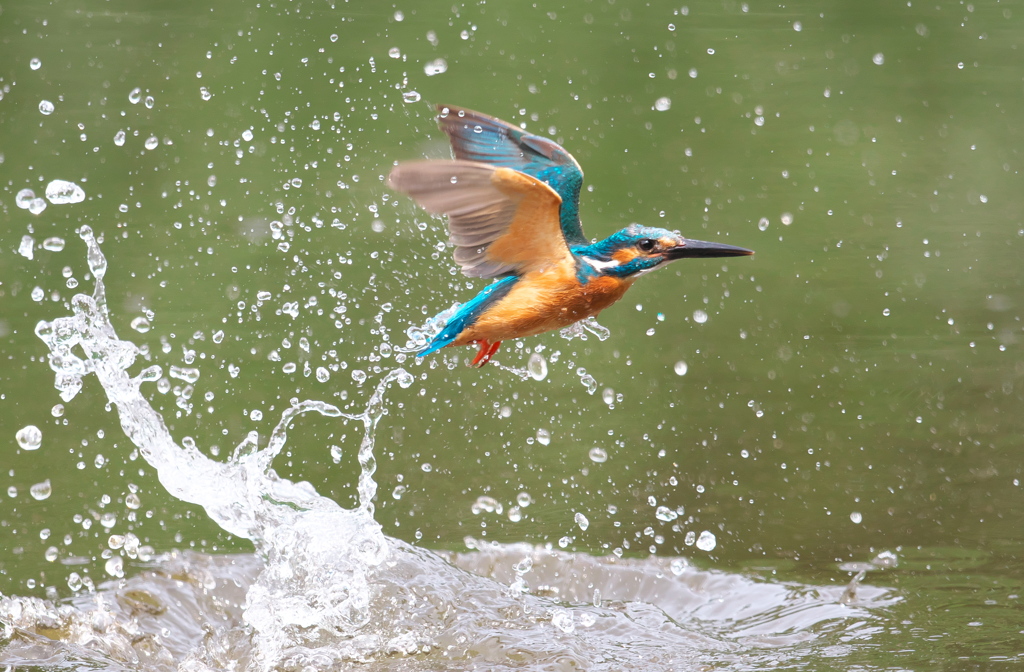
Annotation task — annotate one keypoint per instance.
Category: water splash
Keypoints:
(421, 334)
(318, 555)
(583, 327)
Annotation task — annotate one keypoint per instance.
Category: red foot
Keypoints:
(487, 351)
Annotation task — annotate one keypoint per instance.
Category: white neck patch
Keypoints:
(599, 265)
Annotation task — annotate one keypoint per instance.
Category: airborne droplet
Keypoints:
(29, 437)
(537, 366)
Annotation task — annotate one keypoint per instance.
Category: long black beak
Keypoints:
(699, 248)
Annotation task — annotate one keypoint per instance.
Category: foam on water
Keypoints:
(327, 588)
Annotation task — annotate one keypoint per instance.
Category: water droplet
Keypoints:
(543, 437)
(693, 73)
(435, 67)
(35, 64)
(132, 501)
(27, 247)
(247, 135)
(411, 96)
(524, 499)
(119, 138)
(29, 437)
(587, 380)
(608, 396)
(763, 223)
(46, 107)
(53, 244)
(706, 541)
(598, 455)
(681, 368)
(399, 15)
(37, 205)
(537, 366)
(663, 104)
(60, 192)
(141, 325)
(41, 491)
(700, 317)
(405, 379)
(204, 93)
(486, 504)
(186, 373)
(395, 52)
(135, 95)
(581, 521)
(878, 59)
(74, 581)
(787, 218)
(322, 374)
(24, 198)
(152, 142)
(115, 566)
(256, 415)
(856, 517)
(665, 514)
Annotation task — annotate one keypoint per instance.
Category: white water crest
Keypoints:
(328, 590)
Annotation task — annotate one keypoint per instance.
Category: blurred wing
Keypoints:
(501, 221)
(478, 137)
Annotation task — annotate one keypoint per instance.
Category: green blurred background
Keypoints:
(855, 387)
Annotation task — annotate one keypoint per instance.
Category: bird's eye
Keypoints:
(646, 244)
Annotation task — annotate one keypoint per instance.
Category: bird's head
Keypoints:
(637, 249)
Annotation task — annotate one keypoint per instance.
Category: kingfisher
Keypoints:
(512, 201)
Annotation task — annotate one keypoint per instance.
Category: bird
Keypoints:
(512, 201)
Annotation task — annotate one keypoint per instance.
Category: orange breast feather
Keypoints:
(551, 298)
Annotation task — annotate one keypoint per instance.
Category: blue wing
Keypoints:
(468, 314)
(478, 137)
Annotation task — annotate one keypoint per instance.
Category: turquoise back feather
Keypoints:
(478, 137)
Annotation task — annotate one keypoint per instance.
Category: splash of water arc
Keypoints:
(302, 536)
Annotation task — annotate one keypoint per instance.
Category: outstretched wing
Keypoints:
(478, 137)
(501, 221)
